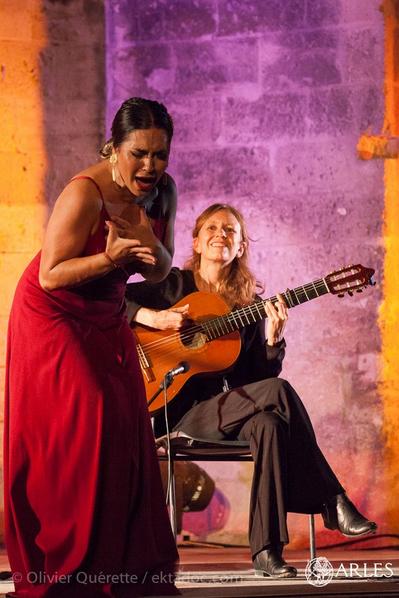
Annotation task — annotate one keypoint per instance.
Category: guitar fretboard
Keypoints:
(239, 318)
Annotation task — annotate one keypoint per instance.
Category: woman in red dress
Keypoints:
(84, 507)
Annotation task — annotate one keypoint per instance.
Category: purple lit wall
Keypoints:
(269, 98)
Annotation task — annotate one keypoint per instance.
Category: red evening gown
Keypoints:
(82, 484)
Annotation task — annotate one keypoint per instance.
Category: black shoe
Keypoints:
(270, 563)
(341, 514)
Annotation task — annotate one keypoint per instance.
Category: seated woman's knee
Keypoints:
(267, 419)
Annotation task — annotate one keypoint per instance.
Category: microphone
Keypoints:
(181, 368)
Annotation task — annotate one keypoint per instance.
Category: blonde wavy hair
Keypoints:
(239, 286)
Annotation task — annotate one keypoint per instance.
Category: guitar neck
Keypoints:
(239, 318)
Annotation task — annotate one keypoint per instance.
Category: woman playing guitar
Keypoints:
(248, 402)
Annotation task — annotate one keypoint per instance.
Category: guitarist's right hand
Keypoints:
(165, 319)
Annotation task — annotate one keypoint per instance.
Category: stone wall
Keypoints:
(269, 98)
(52, 122)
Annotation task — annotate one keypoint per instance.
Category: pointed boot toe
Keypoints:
(340, 513)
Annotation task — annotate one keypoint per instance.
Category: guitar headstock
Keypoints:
(349, 279)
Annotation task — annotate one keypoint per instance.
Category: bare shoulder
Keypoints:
(82, 193)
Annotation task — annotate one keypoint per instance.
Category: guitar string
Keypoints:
(157, 346)
(161, 346)
(243, 311)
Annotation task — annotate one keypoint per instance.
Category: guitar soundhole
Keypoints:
(192, 336)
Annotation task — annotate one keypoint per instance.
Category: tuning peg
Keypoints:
(359, 290)
(350, 293)
(340, 295)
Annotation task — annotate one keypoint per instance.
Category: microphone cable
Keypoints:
(165, 398)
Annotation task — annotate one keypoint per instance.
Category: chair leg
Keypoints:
(312, 537)
(172, 498)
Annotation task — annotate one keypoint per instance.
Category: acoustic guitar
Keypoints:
(210, 341)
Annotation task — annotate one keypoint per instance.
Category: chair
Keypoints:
(186, 448)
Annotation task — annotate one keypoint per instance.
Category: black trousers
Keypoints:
(290, 471)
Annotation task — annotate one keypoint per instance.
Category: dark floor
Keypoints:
(216, 572)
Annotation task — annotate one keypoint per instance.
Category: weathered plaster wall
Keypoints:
(52, 103)
(269, 98)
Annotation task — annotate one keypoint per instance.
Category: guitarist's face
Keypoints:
(219, 239)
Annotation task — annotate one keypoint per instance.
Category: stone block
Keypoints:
(319, 167)
(363, 58)
(331, 112)
(333, 219)
(187, 19)
(327, 39)
(20, 72)
(63, 86)
(21, 227)
(122, 18)
(368, 107)
(197, 121)
(247, 16)
(11, 267)
(3, 339)
(145, 71)
(74, 119)
(323, 12)
(16, 20)
(151, 21)
(287, 69)
(22, 177)
(353, 11)
(272, 116)
(82, 23)
(160, 20)
(63, 165)
(223, 174)
(21, 124)
(215, 65)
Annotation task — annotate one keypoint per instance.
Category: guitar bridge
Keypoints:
(145, 364)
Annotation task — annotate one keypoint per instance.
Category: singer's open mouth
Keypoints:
(145, 183)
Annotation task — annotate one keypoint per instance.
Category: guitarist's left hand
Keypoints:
(277, 316)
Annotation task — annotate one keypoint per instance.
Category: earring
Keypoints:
(113, 160)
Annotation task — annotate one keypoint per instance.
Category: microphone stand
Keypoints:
(170, 486)
(168, 378)
(167, 381)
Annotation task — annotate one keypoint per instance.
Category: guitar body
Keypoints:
(161, 350)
